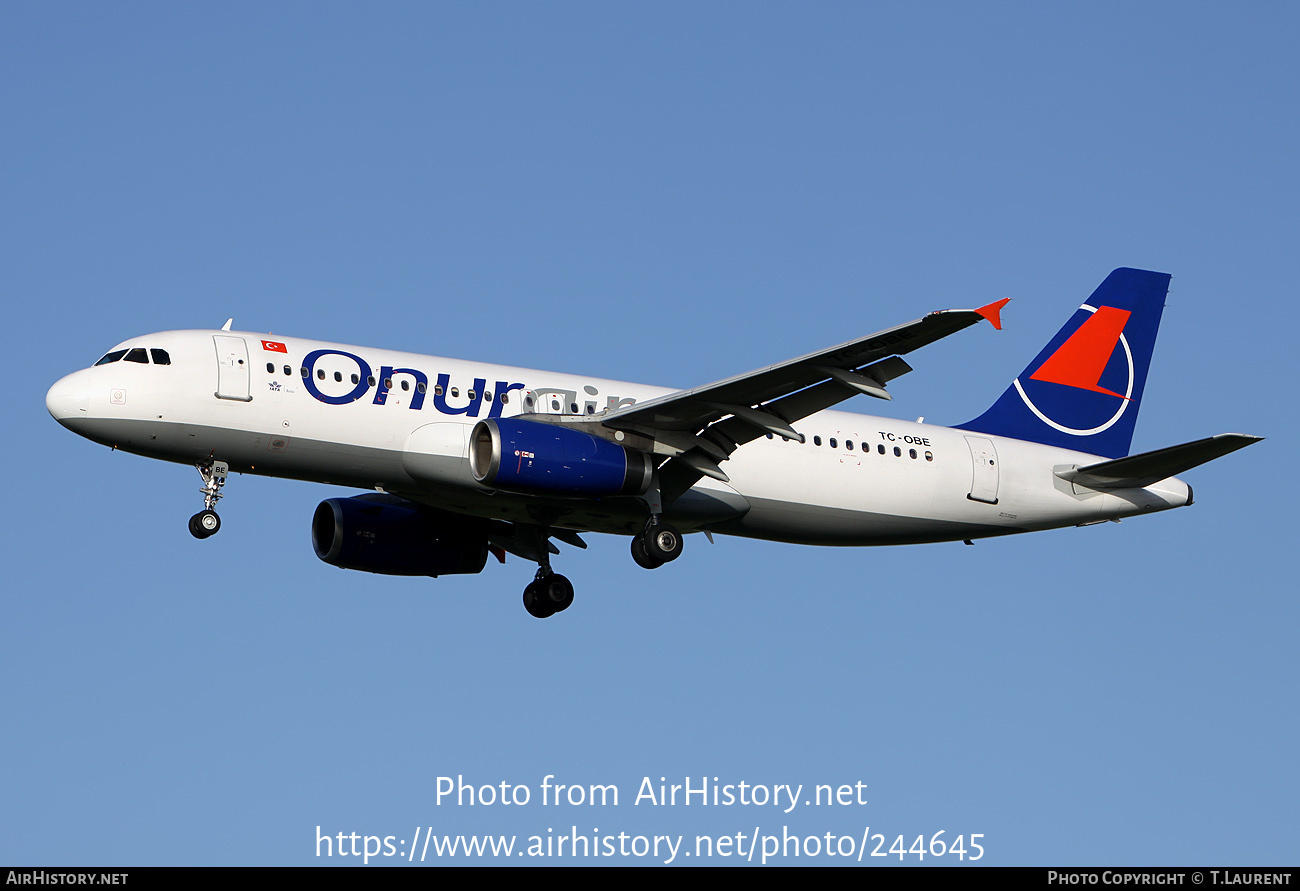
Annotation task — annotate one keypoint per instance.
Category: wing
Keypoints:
(700, 428)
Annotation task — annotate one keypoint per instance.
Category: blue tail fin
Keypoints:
(1083, 390)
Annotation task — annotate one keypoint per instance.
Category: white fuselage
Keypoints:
(400, 423)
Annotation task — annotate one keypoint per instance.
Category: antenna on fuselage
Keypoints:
(226, 327)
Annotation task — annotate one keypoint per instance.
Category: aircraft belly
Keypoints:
(251, 451)
(819, 525)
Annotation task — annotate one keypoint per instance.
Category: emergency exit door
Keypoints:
(984, 470)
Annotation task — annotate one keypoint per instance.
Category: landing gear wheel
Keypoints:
(556, 592)
(662, 542)
(533, 602)
(640, 556)
(204, 524)
(548, 595)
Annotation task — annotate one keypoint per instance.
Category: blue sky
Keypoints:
(669, 194)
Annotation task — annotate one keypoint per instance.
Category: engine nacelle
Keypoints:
(392, 536)
(550, 459)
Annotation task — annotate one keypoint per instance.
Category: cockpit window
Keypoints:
(138, 354)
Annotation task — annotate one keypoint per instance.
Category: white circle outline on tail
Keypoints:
(1128, 353)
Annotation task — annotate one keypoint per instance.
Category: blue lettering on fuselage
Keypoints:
(309, 379)
(475, 394)
(384, 383)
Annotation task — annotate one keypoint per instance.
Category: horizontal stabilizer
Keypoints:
(1139, 471)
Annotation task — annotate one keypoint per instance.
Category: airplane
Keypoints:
(464, 460)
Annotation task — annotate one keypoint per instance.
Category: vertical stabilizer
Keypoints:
(1083, 390)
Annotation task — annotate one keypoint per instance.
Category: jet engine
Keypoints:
(550, 459)
(392, 536)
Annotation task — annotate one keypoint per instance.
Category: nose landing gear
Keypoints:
(206, 522)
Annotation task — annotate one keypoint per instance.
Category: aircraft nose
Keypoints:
(67, 400)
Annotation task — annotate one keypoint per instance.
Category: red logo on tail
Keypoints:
(1080, 361)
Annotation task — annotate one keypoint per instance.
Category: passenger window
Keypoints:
(898, 453)
(848, 444)
(270, 368)
(304, 372)
(111, 357)
(420, 386)
(370, 381)
(505, 397)
(406, 385)
(356, 378)
(469, 394)
(138, 355)
(573, 408)
(160, 357)
(929, 456)
(912, 453)
(338, 377)
(287, 371)
(320, 373)
(817, 440)
(455, 391)
(881, 448)
(437, 390)
(835, 443)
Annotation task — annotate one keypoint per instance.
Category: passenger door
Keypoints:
(232, 368)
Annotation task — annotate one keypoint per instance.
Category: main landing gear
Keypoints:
(549, 592)
(206, 522)
(658, 543)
